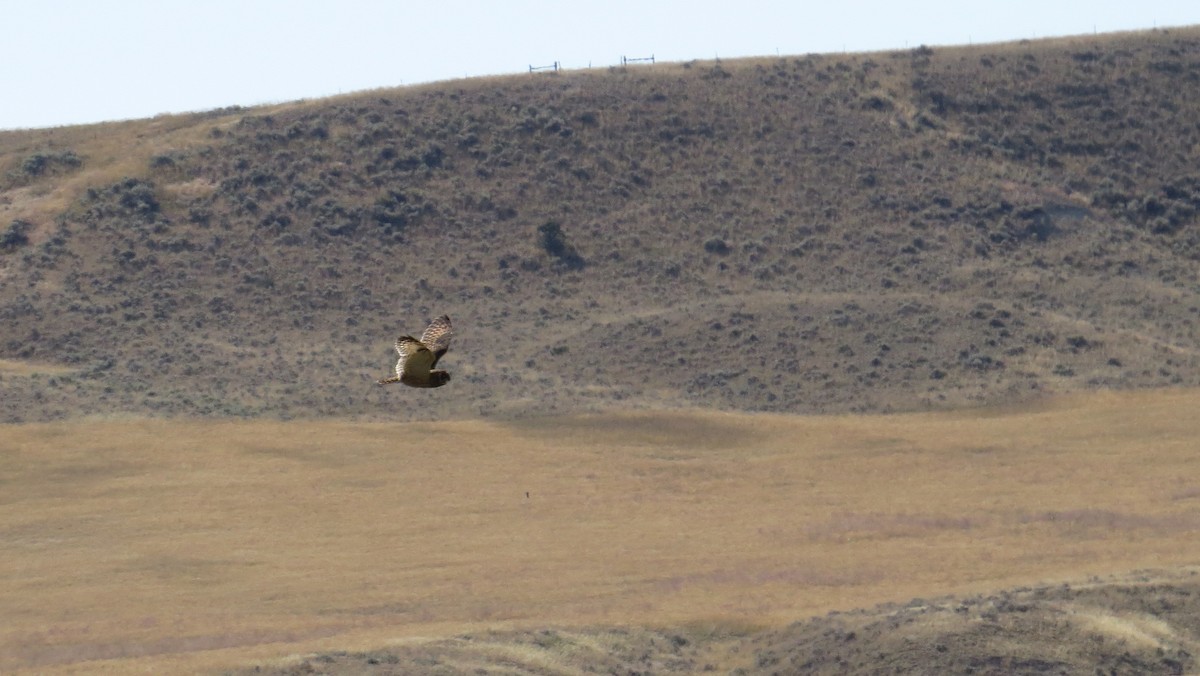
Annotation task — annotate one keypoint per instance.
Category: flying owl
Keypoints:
(418, 357)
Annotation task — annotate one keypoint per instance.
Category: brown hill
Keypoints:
(868, 232)
(1144, 623)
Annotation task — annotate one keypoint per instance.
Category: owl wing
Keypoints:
(437, 337)
(415, 358)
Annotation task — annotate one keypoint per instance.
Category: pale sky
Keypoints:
(77, 61)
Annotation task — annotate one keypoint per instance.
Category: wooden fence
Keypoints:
(626, 61)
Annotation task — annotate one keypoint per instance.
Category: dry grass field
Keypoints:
(135, 545)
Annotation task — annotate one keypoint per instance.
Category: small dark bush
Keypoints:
(41, 163)
(433, 156)
(878, 104)
(717, 246)
(15, 236)
(552, 240)
(1080, 343)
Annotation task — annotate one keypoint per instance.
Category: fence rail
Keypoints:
(626, 61)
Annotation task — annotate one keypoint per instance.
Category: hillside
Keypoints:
(1143, 623)
(871, 232)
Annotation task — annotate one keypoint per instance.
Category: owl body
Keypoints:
(418, 357)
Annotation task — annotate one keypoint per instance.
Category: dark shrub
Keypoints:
(14, 237)
(41, 163)
(716, 245)
(552, 240)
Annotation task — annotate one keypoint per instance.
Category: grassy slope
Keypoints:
(206, 544)
(892, 231)
(1148, 622)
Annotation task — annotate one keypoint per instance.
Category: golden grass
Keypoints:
(1142, 629)
(110, 151)
(17, 367)
(198, 545)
